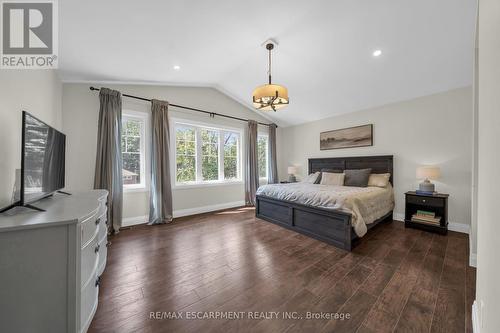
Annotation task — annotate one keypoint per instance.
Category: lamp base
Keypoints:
(425, 192)
(426, 186)
(292, 179)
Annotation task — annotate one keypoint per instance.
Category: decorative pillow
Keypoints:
(327, 170)
(312, 178)
(329, 178)
(358, 177)
(379, 179)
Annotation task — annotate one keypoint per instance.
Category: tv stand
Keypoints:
(18, 204)
(34, 207)
(63, 192)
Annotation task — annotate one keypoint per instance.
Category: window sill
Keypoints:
(135, 189)
(207, 184)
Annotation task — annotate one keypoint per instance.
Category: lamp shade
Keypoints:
(270, 97)
(292, 170)
(428, 172)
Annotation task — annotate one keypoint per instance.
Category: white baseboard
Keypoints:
(458, 227)
(130, 221)
(475, 318)
(399, 217)
(206, 209)
(473, 259)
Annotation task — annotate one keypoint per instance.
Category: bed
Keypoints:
(336, 215)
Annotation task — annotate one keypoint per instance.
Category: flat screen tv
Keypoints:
(42, 161)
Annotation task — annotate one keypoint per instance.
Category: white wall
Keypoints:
(80, 116)
(475, 133)
(434, 129)
(488, 226)
(35, 91)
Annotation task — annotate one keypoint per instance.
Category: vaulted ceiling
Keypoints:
(324, 55)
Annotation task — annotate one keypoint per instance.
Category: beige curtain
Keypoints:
(108, 166)
(251, 170)
(160, 202)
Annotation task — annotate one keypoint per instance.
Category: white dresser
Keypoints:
(51, 262)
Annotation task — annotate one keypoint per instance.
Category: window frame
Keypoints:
(266, 135)
(143, 186)
(173, 158)
(199, 183)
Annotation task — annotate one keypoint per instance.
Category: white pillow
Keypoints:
(311, 179)
(379, 179)
(328, 178)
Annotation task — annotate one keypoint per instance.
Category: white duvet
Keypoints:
(366, 204)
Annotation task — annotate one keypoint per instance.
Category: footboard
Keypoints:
(333, 227)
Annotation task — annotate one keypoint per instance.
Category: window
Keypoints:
(206, 155)
(209, 154)
(185, 142)
(133, 150)
(262, 155)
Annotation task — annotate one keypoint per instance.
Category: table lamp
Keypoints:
(427, 173)
(291, 174)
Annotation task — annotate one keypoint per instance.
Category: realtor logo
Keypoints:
(29, 34)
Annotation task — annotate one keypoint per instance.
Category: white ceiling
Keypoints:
(324, 57)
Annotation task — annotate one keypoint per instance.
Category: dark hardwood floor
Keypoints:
(396, 279)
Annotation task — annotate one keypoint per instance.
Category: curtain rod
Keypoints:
(212, 114)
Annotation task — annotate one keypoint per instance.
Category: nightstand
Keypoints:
(436, 204)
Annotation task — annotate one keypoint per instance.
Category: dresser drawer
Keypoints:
(103, 227)
(427, 201)
(89, 261)
(103, 252)
(88, 307)
(89, 229)
(103, 206)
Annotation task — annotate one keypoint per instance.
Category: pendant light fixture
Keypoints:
(270, 97)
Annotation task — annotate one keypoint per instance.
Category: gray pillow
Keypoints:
(357, 177)
(318, 180)
(311, 179)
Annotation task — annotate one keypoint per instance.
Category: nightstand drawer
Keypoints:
(426, 201)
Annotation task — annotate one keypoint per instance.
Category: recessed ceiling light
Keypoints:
(377, 53)
(177, 67)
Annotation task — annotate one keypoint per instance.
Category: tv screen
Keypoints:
(43, 154)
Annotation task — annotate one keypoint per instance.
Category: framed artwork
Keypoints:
(359, 136)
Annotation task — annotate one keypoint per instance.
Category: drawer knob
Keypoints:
(97, 221)
(98, 246)
(98, 281)
(423, 200)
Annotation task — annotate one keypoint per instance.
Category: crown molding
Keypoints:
(140, 83)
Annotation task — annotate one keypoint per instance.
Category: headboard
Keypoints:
(378, 164)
